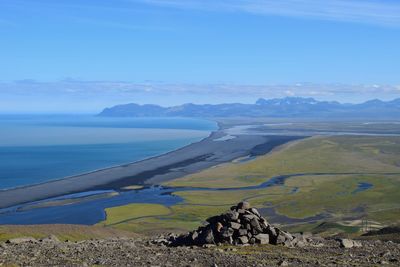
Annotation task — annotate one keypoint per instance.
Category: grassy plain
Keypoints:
(340, 154)
(346, 162)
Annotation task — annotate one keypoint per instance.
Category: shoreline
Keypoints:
(101, 169)
(154, 170)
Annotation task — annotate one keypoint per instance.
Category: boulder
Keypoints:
(262, 238)
(256, 225)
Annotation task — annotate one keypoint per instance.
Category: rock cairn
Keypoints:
(242, 225)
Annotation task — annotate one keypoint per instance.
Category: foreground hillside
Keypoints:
(142, 252)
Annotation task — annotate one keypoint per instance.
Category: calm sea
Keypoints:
(37, 148)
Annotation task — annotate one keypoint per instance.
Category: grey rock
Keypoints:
(235, 226)
(244, 239)
(206, 237)
(283, 263)
(249, 217)
(242, 231)
(256, 225)
(232, 215)
(227, 232)
(346, 243)
(241, 211)
(255, 211)
(244, 205)
(262, 238)
(194, 235)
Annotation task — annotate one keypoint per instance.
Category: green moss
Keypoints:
(126, 213)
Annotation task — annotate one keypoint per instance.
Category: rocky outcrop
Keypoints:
(242, 225)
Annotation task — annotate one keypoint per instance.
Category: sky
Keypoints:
(84, 55)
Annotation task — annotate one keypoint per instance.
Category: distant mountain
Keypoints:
(277, 107)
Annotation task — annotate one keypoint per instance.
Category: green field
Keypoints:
(314, 155)
(320, 203)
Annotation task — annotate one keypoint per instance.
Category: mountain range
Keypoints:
(277, 107)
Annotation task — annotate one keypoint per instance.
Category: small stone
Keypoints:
(255, 211)
(262, 238)
(227, 232)
(194, 235)
(241, 211)
(207, 237)
(244, 239)
(249, 217)
(283, 263)
(242, 231)
(235, 226)
(346, 243)
(288, 243)
(244, 205)
(219, 227)
(232, 215)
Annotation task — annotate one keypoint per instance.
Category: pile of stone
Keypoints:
(242, 225)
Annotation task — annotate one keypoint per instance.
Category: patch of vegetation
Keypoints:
(338, 154)
(126, 213)
(178, 218)
(336, 194)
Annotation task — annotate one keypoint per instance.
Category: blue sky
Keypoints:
(95, 53)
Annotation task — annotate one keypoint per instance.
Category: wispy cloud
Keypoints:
(123, 89)
(382, 12)
(75, 96)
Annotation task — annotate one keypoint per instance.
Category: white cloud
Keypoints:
(118, 88)
(367, 11)
(289, 93)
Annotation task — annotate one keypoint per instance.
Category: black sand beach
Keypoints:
(211, 151)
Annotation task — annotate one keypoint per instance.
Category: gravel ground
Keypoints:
(141, 252)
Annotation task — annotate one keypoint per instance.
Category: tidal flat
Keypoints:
(280, 176)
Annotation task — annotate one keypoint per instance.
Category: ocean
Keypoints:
(38, 148)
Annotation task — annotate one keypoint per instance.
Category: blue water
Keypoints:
(362, 187)
(35, 149)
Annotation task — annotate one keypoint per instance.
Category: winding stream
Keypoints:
(86, 208)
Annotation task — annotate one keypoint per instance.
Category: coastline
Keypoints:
(154, 170)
